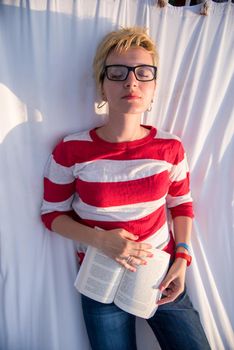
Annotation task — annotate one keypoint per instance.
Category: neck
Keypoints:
(122, 128)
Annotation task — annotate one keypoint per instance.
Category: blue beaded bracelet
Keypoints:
(184, 245)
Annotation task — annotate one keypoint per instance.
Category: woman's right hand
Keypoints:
(118, 244)
(121, 246)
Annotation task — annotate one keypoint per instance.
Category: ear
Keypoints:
(154, 92)
(103, 96)
(101, 93)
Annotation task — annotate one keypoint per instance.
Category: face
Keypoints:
(130, 96)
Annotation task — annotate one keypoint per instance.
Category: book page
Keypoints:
(138, 291)
(99, 276)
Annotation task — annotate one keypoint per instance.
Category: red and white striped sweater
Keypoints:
(124, 184)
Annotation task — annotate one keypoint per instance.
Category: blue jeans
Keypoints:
(176, 326)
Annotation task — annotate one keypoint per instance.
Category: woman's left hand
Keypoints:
(173, 284)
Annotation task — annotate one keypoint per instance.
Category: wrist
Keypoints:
(99, 238)
(181, 264)
(184, 256)
(183, 248)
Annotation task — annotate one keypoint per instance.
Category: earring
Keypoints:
(101, 104)
(150, 106)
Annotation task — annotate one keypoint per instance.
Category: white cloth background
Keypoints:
(46, 92)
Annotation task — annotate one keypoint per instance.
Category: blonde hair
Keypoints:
(119, 41)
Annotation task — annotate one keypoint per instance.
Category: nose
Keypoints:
(131, 80)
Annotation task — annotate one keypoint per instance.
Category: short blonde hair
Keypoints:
(119, 41)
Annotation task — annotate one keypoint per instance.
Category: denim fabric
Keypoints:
(176, 325)
(108, 326)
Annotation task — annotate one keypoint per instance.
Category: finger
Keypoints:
(126, 265)
(171, 294)
(163, 301)
(145, 246)
(130, 236)
(141, 253)
(169, 298)
(165, 283)
(129, 266)
(138, 245)
(135, 261)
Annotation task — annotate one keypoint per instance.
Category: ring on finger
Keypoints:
(129, 259)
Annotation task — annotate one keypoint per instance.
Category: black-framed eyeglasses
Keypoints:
(120, 72)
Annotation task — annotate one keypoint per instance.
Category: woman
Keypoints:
(122, 177)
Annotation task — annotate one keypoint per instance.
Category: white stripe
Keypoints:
(79, 136)
(166, 135)
(160, 238)
(105, 170)
(179, 171)
(49, 207)
(58, 173)
(116, 213)
(174, 201)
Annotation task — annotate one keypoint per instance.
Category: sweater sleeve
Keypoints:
(59, 185)
(179, 200)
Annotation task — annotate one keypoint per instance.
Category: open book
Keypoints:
(103, 279)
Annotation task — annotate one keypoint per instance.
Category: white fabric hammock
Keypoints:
(46, 92)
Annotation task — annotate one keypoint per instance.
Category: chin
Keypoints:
(129, 109)
(133, 110)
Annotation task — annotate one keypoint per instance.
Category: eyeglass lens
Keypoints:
(120, 72)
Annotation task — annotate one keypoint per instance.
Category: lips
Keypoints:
(131, 97)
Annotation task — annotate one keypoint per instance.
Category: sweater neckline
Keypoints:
(125, 144)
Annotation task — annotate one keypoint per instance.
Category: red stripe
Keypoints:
(170, 247)
(65, 153)
(80, 256)
(57, 192)
(179, 188)
(143, 227)
(185, 209)
(70, 152)
(48, 218)
(104, 194)
(170, 150)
